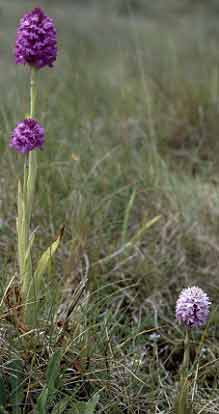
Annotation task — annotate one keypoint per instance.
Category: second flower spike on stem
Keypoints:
(27, 136)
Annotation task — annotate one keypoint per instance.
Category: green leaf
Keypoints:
(45, 261)
(16, 381)
(28, 252)
(19, 204)
(53, 372)
(126, 217)
(62, 405)
(41, 407)
(2, 395)
(183, 405)
(19, 223)
(88, 407)
(51, 376)
(91, 405)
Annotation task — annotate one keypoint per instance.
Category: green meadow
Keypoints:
(130, 170)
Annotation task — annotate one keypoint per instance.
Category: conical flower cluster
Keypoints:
(36, 43)
(192, 307)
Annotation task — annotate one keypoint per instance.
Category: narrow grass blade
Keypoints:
(51, 376)
(53, 372)
(183, 405)
(88, 407)
(91, 405)
(126, 217)
(144, 227)
(62, 405)
(41, 407)
(16, 382)
(2, 395)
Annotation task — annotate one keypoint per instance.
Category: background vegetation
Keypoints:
(131, 112)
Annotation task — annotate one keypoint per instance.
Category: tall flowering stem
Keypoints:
(35, 46)
(25, 203)
(28, 285)
(182, 404)
(31, 181)
(192, 310)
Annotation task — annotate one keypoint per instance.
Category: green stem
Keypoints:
(31, 182)
(33, 92)
(30, 174)
(182, 403)
(186, 357)
(25, 177)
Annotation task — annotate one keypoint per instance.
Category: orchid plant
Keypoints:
(192, 310)
(36, 46)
